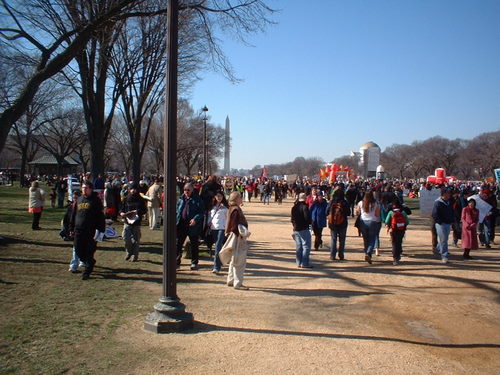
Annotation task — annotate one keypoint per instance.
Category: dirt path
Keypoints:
(421, 317)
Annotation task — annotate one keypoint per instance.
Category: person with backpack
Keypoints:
(397, 221)
(338, 211)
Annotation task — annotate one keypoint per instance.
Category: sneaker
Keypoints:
(81, 264)
(72, 270)
(194, 267)
(215, 271)
(128, 256)
(135, 258)
(395, 262)
(444, 260)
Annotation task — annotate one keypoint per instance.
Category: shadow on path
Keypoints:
(204, 327)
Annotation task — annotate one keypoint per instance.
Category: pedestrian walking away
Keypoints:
(301, 221)
(35, 204)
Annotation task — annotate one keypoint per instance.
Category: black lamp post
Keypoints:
(170, 314)
(205, 141)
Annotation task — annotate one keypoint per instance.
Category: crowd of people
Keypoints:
(209, 210)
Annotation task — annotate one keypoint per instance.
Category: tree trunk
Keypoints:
(24, 158)
(136, 157)
(97, 145)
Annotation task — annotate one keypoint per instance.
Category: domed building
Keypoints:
(369, 159)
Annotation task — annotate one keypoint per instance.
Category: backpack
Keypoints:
(398, 221)
(336, 216)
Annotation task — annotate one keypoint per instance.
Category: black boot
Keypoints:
(466, 254)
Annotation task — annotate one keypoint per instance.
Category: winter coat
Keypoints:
(134, 202)
(470, 219)
(88, 215)
(346, 211)
(301, 218)
(36, 199)
(442, 212)
(318, 213)
(195, 210)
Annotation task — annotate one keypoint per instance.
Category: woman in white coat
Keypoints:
(35, 204)
(237, 224)
(217, 218)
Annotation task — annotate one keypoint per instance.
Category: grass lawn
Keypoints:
(53, 322)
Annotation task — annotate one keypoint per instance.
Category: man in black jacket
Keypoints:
(301, 220)
(132, 209)
(87, 217)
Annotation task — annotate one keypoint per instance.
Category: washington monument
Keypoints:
(227, 147)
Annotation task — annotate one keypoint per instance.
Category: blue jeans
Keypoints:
(267, 198)
(485, 232)
(338, 231)
(443, 232)
(302, 246)
(369, 230)
(377, 235)
(75, 261)
(219, 237)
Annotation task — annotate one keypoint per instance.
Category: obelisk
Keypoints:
(227, 147)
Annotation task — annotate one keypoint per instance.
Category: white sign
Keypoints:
(427, 199)
(483, 207)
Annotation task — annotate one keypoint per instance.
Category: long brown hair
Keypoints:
(368, 201)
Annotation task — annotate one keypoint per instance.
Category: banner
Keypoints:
(497, 175)
(427, 199)
(483, 207)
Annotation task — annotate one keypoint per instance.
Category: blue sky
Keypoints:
(332, 75)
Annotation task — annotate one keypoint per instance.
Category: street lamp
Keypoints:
(169, 313)
(205, 141)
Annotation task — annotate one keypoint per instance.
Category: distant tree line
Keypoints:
(473, 159)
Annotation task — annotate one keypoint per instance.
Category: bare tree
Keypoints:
(482, 154)
(59, 31)
(38, 113)
(155, 144)
(61, 135)
(348, 161)
(41, 30)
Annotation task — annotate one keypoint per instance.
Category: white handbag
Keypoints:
(244, 232)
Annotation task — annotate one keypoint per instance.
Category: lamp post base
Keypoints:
(169, 316)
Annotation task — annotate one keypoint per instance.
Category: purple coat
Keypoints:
(470, 219)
